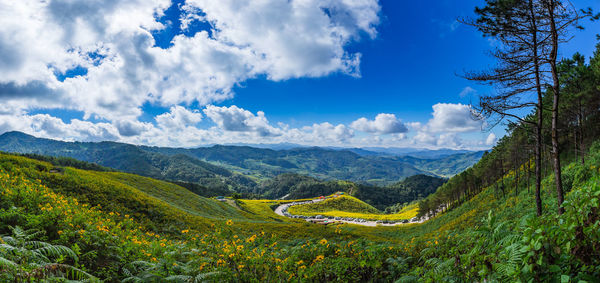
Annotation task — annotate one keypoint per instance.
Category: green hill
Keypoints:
(293, 186)
(133, 159)
(121, 225)
(216, 167)
(351, 207)
(341, 203)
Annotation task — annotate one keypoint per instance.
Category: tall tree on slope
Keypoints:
(518, 27)
(560, 17)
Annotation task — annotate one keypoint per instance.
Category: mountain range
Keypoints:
(242, 169)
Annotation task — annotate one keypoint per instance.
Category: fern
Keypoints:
(204, 276)
(6, 264)
(31, 259)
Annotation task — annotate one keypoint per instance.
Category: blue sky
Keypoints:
(188, 73)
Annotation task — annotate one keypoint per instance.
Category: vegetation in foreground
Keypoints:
(490, 237)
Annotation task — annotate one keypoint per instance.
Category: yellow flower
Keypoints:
(185, 231)
(299, 262)
(251, 239)
(240, 266)
(162, 245)
(319, 258)
(323, 242)
(240, 247)
(229, 222)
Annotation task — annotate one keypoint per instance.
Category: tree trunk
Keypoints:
(538, 164)
(528, 172)
(556, 96)
(538, 141)
(580, 127)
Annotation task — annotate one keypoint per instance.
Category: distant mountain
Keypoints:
(274, 146)
(133, 159)
(366, 151)
(321, 163)
(416, 152)
(243, 168)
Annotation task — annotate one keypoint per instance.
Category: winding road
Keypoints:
(283, 211)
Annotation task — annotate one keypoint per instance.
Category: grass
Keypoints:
(119, 218)
(348, 206)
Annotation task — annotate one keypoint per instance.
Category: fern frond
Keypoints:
(56, 251)
(179, 278)
(203, 276)
(7, 264)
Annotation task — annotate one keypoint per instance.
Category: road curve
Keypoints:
(283, 211)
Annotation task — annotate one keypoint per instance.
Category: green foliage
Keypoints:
(347, 206)
(171, 234)
(341, 203)
(294, 186)
(22, 258)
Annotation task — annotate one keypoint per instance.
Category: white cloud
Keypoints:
(448, 117)
(236, 119)
(44, 125)
(467, 91)
(328, 132)
(293, 38)
(491, 139)
(131, 128)
(178, 118)
(449, 140)
(424, 138)
(278, 39)
(383, 124)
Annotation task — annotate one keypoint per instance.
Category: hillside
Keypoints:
(114, 219)
(293, 186)
(351, 207)
(340, 203)
(132, 159)
(240, 167)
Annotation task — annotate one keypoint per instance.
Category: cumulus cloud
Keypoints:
(449, 140)
(132, 128)
(112, 41)
(44, 125)
(491, 139)
(110, 47)
(448, 117)
(178, 117)
(328, 132)
(236, 119)
(383, 124)
(424, 138)
(293, 38)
